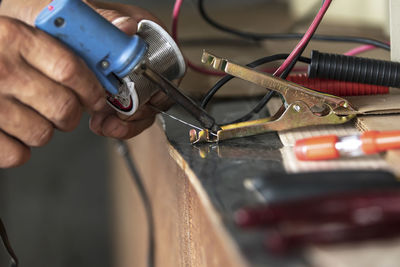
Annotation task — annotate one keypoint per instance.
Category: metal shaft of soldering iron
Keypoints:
(206, 120)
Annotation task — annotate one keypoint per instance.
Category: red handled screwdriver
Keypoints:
(356, 208)
(332, 146)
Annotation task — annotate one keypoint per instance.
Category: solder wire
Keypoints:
(180, 120)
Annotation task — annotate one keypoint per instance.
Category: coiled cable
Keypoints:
(354, 69)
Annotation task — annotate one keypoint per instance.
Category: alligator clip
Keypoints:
(303, 106)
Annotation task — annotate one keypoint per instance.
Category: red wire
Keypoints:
(306, 38)
(303, 42)
(338, 88)
(360, 49)
(175, 18)
(286, 63)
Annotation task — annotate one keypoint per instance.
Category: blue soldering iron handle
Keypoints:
(108, 51)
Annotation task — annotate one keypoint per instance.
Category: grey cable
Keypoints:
(123, 150)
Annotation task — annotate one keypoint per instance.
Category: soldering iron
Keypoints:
(131, 68)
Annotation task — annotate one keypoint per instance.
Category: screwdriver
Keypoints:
(332, 146)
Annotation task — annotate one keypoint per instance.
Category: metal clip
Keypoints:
(305, 107)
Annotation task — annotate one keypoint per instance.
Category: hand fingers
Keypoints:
(143, 112)
(161, 101)
(24, 123)
(61, 65)
(53, 101)
(114, 127)
(12, 153)
(123, 22)
(134, 12)
(97, 119)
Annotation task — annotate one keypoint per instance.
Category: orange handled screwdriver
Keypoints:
(332, 146)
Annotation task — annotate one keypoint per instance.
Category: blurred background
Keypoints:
(58, 207)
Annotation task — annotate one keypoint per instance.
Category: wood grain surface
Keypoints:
(188, 231)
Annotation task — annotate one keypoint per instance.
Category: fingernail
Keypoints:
(113, 128)
(95, 123)
(100, 104)
(120, 21)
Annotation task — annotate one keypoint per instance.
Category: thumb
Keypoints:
(125, 23)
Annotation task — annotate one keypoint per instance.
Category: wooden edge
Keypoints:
(209, 208)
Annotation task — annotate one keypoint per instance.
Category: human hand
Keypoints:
(43, 86)
(108, 123)
(126, 17)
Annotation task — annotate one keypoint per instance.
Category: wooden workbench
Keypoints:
(188, 230)
(193, 197)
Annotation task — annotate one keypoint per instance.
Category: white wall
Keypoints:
(354, 12)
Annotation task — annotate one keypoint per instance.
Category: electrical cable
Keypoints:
(359, 50)
(336, 87)
(280, 36)
(305, 18)
(7, 245)
(354, 69)
(284, 70)
(209, 95)
(298, 50)
(123, 150)
(175, 20)
(291, 60)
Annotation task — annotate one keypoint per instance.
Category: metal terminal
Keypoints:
(206, 120)
(304, 107)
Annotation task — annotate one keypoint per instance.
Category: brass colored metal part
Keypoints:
(291, 92)
(297, 115)
(305, 107)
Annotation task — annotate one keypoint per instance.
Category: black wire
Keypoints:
(280, 36)
(7, 245)
(209, 95)
(206, 99)
(123, 149)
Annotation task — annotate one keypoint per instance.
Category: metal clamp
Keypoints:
(304, 107)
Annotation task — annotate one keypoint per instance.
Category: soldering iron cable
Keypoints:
(7, 245)
(123, 150)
